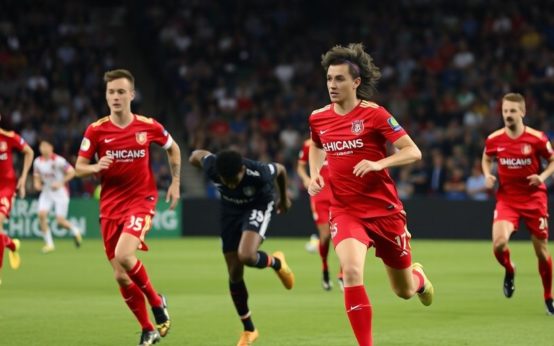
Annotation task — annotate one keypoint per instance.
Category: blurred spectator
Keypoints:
(475, 184)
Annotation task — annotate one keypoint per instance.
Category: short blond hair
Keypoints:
(119, 73)
(515, 97)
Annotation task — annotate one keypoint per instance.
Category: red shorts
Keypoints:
(388, 234)
(136, 223)
(534, 216)
(320, 210)
(7, 193)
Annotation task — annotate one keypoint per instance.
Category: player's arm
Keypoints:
(281, 179)
(302, 171)
(316, 159)
(174, 158)
(406, 152)
(538, 179)
(83, 167)
(486, 165)
(69, 174)
(28, 156)
(196, 157)
(37, 182)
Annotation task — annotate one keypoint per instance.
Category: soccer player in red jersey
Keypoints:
(518, 150)
(120, 142)
(319, 204)
(351, 133)
(10, 141)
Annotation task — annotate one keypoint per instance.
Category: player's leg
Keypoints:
(351, 253)
(239, 295)
(537, 223)
(501, 232)
(254, 225)
(545, 270)
(61, 207)
(132, 237)
(5, 241)
(324, 241)
(44, 205)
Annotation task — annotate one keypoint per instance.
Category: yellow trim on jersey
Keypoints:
(7, 133)
(145, 119)
(321, 109)
(368, 104)
(533, 132)
(497, 133)
(100, 121)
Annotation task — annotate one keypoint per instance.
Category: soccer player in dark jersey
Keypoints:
(247, 203)
(319, 205)
(351, 133)
(120, 142)
(10, 141)
(518, 150)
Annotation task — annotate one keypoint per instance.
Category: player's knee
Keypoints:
(499, 244)
(122, 278)
(125, 260)
(247, 257)
(352, 274)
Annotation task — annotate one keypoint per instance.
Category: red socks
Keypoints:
(140, 278)
(545, 270)
(359, 313)
(135, 301)
(503, 257)
(323, 253)
(421, 280)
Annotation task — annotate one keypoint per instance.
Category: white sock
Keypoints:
(48, 238)
(75, 231)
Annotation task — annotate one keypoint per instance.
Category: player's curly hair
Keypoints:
(360, 64)
(228, 163)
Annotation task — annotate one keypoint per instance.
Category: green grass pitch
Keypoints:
(70, 298)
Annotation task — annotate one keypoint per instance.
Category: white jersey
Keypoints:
(50, 170)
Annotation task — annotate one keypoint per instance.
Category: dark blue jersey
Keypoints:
(255, 187)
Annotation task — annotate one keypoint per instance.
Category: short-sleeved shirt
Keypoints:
(255, 188)
(518, 158)
(129, 180)
(9, 141)
(50, 170)
(347, 139)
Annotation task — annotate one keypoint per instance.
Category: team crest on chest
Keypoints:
(357, 127)
(526, 149)
(3, 146)
(141, 137)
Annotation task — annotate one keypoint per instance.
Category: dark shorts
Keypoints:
(234, 221)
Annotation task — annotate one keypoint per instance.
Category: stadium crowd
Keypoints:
(248, 74)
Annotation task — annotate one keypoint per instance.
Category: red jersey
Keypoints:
(517, 159)
(9, 141)
(129, 182)
(348, 139)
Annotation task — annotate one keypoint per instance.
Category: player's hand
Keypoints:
(283, 205)
(56, 185)
(316, 184)
(535, 180)
(103, 163)
(173, 195)
(365, 166)
(490, 180)
(306, 183)
(21, 186)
